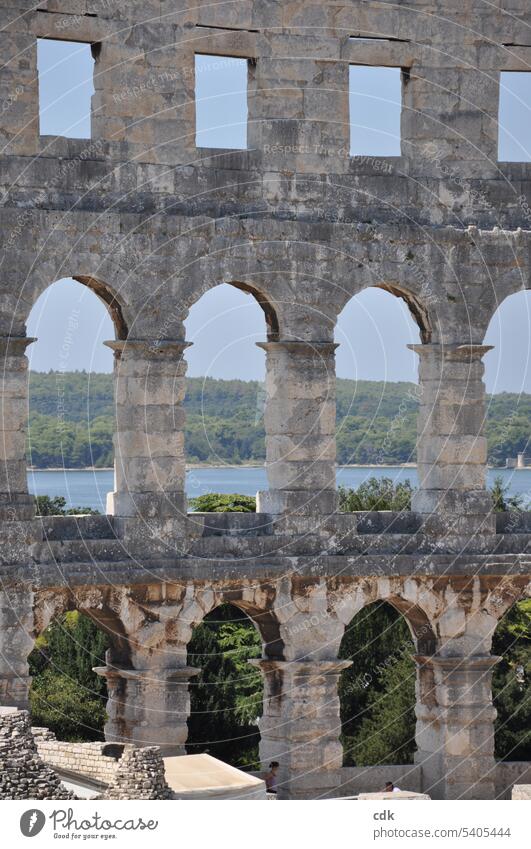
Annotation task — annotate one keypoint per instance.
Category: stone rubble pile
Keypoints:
(23, 773)
(140, 775)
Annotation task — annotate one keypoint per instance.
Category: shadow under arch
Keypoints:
(263, 300)
(417, 309)
(111, 301)
(417, 622)
(264, 621)
(114, 305)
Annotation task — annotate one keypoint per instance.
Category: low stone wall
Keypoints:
(98, 761)
(509, 773)
(521, 792)
(371, 779)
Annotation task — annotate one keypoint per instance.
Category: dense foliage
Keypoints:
(226, 700)
(66, 695)
(377, 692)
(511, 684)
(56, 506)
(217, 502)
(72, 420)
(376, 494)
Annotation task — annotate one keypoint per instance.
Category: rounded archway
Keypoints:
(71, 392)
(225, 396)
(377, 692)
(511, 684)
(508, 382)
(226, 699)
(377, 385)
(66, 695)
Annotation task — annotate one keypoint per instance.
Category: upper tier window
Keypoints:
(514, 136)
(221, 102)
(375, 99)
(66, 70)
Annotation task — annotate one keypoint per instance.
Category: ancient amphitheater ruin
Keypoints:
(150, 222)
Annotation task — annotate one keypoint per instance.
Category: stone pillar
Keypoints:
(149, 500)
(16, 643)
(455, 726)
(300, 424)
(300, 726)
(148, 707)
(17, 507)
(451, 446)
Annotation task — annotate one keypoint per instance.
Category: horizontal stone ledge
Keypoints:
(236, 571)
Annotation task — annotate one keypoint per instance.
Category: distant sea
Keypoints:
(88, 488)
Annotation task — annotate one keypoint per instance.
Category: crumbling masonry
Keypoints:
(150, 223)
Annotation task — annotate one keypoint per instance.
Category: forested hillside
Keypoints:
(71, 421)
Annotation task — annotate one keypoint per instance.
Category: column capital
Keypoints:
(15, 345)
(298, 346)
(460, 663)
(176, 674)
(455, 351)
(150, 349)
(303, 668)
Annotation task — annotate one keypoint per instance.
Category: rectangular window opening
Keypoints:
(66, 86)
(514, 117)
(375, 102)
(221, 101)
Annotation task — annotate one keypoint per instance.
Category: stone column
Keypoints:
(300, 424)
(455, 726)
(148, 707)
(300, 726)
(17, 507)
(451, 446)
(149, 500)
(16, 643)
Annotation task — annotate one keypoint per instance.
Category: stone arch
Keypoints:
(262, 297)
(259, 611)
(348, 597)
(108, 295)
(382, 675)
(216, 723)
(511, 683)
(97, 606)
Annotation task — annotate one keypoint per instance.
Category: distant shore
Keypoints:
(190, 466)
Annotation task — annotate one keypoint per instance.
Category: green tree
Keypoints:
(502, 501)
(383, 672)
(216, 502)
(227, 698)
(47, 505)
(386, 734)
(511, 685)
(376, 494)
(66, 695)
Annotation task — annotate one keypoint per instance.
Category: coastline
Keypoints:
(191, 466)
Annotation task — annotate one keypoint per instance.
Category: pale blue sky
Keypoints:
(374, 328)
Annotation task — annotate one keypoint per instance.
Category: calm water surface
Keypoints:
(89, 488)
